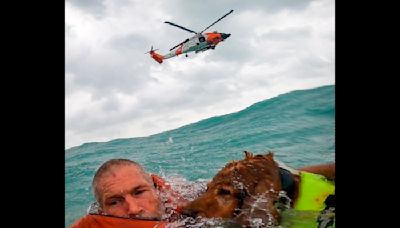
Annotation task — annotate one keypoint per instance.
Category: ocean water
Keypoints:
(299, 127)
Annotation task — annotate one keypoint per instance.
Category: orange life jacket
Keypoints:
(102, 221)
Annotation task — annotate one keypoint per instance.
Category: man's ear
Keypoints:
(160, 183)
(157, 181)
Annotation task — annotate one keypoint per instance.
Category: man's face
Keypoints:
(125, 192)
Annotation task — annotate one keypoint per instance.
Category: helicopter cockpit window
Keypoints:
(202, 39)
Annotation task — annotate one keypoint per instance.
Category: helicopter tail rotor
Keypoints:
(157, 57)
(151, 50)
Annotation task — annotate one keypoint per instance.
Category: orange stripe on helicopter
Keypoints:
(179, 50)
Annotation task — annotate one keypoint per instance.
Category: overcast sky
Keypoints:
(113, 90)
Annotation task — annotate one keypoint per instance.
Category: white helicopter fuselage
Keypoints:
(196, 43)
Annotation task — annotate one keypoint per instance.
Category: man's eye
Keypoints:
(139, 192)
(114, 202)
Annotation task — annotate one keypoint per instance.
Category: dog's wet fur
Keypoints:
(244, 190)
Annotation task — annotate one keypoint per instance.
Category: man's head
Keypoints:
(123, 189)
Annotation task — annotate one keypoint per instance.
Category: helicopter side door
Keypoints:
(192, 44)
(197, 43)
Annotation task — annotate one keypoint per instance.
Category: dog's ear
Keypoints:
(270, 155)
(248, 154)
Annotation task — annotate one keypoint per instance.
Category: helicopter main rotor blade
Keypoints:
(181, 27)
(217, 21)
(179, 44)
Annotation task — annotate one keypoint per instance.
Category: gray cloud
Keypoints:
(209, 10)
(127, 43)
(94, 7)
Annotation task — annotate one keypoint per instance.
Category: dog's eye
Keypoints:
(222, 191)
(236, 211)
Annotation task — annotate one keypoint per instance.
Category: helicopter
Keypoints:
(200, 42)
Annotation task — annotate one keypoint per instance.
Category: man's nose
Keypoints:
(132, 206)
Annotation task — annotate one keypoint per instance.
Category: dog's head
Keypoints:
(245, 190)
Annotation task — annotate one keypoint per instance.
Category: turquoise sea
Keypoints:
(299, 127)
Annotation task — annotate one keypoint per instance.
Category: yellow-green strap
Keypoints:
(314, 189)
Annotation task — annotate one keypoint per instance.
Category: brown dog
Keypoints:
(247, 190)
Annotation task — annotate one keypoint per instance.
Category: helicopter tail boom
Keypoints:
(159, 58)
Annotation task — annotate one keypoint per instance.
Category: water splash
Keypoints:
(170, 141)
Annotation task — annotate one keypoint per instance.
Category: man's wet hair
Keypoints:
(107, 166)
